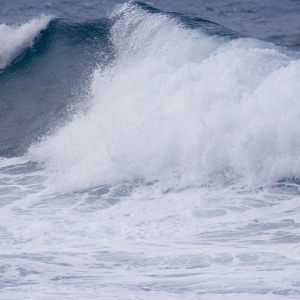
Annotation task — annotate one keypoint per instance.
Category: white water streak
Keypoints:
(15, 39)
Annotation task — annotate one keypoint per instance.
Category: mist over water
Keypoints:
(147, 154)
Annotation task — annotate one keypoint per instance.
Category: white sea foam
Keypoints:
(14, 39)
(181, 107)
(122, 242)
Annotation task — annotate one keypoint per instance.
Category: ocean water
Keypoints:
(149, 150)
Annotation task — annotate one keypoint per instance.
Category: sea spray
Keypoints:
(181, 107)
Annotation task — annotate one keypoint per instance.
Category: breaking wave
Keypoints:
(182, 104)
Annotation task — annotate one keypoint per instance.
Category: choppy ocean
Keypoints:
(150, 150)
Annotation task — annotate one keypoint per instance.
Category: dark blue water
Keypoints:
(53, 73)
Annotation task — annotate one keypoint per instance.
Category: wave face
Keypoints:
(41, 84)
(183, 105)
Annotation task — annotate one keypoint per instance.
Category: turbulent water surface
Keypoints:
(149, 151)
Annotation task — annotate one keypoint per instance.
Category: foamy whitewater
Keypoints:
(170, 172)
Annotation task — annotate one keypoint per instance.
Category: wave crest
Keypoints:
(14, 39)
